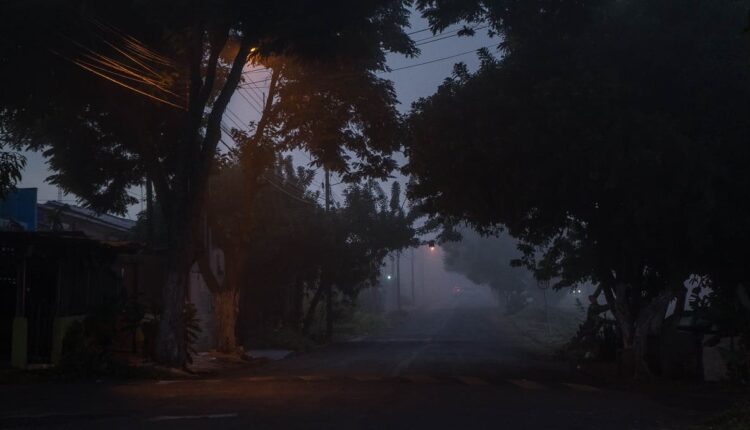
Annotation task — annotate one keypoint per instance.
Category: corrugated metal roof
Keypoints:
(112, 221)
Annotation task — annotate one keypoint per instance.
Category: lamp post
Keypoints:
(413, 296)
(543, 285)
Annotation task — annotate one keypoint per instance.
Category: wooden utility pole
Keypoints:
(149, 214)
(398, 280)
(328, 286)
(413, 295)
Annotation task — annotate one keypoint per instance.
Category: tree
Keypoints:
(367, 228)
(11, 165)
(601, 139)
(266, 237)
(176, 65)
(487, 261)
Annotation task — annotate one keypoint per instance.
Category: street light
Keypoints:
(431, 244)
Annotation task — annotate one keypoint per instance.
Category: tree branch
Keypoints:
(265, 117)
(213, 127)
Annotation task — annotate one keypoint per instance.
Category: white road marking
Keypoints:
(526, 384)
(193, 417)
(368, 378)
(582, 387)
(472, 380)
(398, 340)
(260, 379)
(421, 379)
(314, 378)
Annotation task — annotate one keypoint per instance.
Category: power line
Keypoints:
(281, 188)
(419, 42)
(443, 58)
(258, 98)
(433, 39)
(229, 117)
(419, 64)
(256, 90)
(252, 105)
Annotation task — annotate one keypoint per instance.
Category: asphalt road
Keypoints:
(461, 367)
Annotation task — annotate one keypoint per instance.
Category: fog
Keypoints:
(475, 271)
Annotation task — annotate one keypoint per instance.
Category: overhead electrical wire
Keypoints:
(443, 58)
(438, 38)
(423, 63)
(281, 188)
(250, 103)
(419, 42)
(256, 95)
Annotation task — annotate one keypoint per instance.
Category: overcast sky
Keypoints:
(411, 84)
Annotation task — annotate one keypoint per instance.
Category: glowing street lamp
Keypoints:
(431, 244)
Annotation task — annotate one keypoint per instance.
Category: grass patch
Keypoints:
(735, 418)
(360, 323)
(531, 323)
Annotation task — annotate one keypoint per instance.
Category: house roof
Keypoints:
(111, 221)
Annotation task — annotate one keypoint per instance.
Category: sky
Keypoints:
(421, 80)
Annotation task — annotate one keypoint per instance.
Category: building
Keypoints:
(18, 210)
(58, 262)
(48, 280)
(57, 216)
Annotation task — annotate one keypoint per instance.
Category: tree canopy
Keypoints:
(605, 134)
(487, 260)
(118, 92)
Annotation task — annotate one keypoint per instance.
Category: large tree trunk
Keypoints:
(298, 303)
(329, 311)
(226, 305)
(636, 325)
(307, 322)
(171, 344)
(183, 200)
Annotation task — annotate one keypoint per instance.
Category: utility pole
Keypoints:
(149, 214)
(398, 280)
(424, 291)
(413, 295)
(544, 286)
(328, 286)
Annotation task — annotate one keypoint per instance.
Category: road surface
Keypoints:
(460, 367)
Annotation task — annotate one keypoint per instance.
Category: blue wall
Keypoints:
(20, 206)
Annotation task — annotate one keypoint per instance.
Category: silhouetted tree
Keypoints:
(177, 65)
(606, 137)
(11, 165)
(487, 260)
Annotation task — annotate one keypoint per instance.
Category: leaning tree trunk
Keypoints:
(635, 326)
(225, 293)
(650, 322)
(226, 305)
(194, 164)
(307, 321)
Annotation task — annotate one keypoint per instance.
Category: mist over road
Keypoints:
(460, 366)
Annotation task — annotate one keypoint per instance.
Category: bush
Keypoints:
(736, 418)
(597, 338)
(87, 345)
